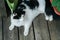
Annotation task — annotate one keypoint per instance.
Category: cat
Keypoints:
(27, 10)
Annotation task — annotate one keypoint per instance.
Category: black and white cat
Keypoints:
(27, 10)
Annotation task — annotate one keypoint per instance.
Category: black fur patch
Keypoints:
(19, 9)
(19, 14)
(32, 3)
(49, 9)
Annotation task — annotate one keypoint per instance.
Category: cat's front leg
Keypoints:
(26, 30)
(11, 27)
(49, 17)
(26, 27)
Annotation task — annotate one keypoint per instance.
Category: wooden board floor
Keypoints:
(39, 30)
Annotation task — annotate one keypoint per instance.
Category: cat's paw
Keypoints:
(51, 18)
(25, 33)
(11, 27)
(46, 18)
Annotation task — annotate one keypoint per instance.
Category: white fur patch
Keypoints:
(50, 17)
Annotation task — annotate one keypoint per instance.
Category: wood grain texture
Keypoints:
(2, 8)
(54, 28)
(40, 28)
(1, 12)
(30, 35)
(9, 35)
(0, 28)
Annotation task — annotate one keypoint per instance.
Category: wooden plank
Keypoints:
(9, 35)
(0, 28)
(54, 27)
(1, 10)
(41, 29)
(30, 35)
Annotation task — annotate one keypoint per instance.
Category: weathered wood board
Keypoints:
(9, 35)
(54, 28)
(40, 28)
(0, 28)
(30, 36)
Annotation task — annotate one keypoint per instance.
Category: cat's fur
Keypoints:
(27, 10)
